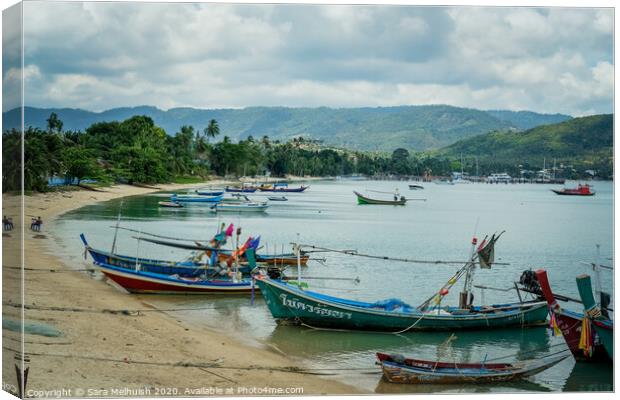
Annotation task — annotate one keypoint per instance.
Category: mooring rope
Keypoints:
(160, 236)
(406, 260)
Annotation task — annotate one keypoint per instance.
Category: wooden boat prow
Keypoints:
(569, 323)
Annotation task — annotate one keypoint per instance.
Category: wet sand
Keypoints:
(101, 353)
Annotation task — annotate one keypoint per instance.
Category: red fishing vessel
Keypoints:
(570, 324)
(580, 190)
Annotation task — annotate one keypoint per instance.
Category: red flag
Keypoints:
(230, 229)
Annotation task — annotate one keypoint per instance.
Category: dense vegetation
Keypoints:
(578, 144)
(136, 150)
(416, 128)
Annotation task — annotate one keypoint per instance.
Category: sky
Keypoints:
(98, 56)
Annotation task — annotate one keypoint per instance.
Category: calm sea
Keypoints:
(542, 230)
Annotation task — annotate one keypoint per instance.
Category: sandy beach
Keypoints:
(105, 348)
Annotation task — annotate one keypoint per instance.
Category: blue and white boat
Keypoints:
(240, 207)
(195, 198)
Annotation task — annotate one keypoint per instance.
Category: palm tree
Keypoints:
(212, 130)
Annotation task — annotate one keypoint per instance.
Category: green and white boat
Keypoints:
(290, 303)
(293, 303)
(361, 199)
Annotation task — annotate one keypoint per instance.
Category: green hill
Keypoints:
(585, 143)
(416, 128)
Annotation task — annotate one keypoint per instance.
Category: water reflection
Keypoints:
(437, 229)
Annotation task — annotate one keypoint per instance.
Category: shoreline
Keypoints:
(100, 352)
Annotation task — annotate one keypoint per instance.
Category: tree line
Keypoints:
(137, 151)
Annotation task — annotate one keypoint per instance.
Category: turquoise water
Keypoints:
(542, 230)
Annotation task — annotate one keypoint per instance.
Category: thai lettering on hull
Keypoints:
(298, 304)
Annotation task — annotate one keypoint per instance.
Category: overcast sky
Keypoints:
(103, 55)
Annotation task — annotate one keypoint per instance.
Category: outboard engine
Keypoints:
(274, 273)
(530, 283)
(605, 300)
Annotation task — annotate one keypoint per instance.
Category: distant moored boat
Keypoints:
(361, 199)
(580, 190)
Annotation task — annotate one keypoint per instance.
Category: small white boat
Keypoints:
(277, 198)
(240, 207)
(443, 182)
(170, 204)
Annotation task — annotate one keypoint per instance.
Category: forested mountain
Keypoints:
(416, 128)
(585, 143)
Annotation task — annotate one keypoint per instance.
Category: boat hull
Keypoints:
(605, 332)
(284, 190)
(170, 204)
(195, 199)
(424, 372)
(185, 268)
(210, 192)
(287, 302)
(566, 193)
(150, 283)
(361, 199)
(238, 190)
(227, 207)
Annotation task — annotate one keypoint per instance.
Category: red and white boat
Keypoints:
(149, 282)
(570, 324)
(580, 190)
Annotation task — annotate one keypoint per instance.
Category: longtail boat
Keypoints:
(210, 192)
(361, 199)
(398, 369)
(580, 190)
(282, 187)
(195, 198)
(603, 326)
(149, 282)
(170, 204)
(241, 206)
(244, 189)
(289, 302)
(187, 268)
(415, 187)
(571, 324)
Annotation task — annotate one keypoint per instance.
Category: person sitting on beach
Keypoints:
(36, 223)
(11, 226)
(5, 223)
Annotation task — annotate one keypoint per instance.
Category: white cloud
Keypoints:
(102, 55)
